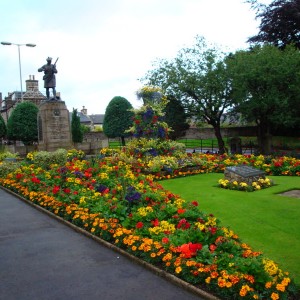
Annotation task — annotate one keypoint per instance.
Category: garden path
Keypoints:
(41, 258)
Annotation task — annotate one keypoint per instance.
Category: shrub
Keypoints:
(45, 159)
(8, 167)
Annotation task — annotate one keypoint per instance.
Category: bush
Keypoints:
(8, 154)
(8, 167)
(45, 159)
(153, 147)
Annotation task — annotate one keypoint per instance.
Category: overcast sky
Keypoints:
(105, 46)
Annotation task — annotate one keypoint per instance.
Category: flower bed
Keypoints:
(113, 200)
(262, 183)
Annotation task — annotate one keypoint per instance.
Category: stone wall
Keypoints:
(94, 141)
(208, 133)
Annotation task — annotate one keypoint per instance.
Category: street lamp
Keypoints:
(27, 45)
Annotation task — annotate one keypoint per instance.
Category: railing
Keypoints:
(195, 145)
(211, 146)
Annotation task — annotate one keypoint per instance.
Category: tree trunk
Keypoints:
(221, 144)
(264, 138)
(123, 140)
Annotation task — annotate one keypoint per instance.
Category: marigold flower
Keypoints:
(274, 296)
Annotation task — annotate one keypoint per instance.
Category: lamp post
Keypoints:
(27, 45)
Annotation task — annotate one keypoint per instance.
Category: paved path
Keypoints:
(42, 258)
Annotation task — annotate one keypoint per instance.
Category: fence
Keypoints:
(211, 146)
(199, 145)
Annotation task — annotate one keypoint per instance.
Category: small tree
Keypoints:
(77, 134)
(22, 123)
(118, 118)
(3, 129)
(176, 118)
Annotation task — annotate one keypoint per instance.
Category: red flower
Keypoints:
(139, 225)
(181, 210)
(165, 240)
(195, 247)
(213, 230)
(19, 176)
(183, 224)
(195, 203)
(212, 247)
(56, 189)
(87, 174)
(67, 190)
(35, 180)
(189, 250)
(155, 222)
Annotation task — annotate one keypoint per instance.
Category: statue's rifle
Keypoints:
(56, 61)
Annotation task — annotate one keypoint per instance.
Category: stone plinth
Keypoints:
(54, 126)
(243, 174)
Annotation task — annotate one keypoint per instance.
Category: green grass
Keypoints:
(280, 142)
(114, 144)
(196, 143)
(266, 221)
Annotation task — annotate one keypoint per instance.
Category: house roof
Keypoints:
(84, 118)
(97, 119)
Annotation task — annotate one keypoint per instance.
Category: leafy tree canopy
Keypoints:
(118, 118)
(3, 128)
(22, 123)
(266, 87)
(76, 128)
(280, 23)
(176, 118)
(198, 78)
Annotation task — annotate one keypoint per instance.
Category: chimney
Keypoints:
(32, 84)
(84, 110)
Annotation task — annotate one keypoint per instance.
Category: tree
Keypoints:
(3, 129)
(280, 23)
(118, 118)
(266, 88)
(176, 118)
(77, 133)
(198, 77)
(22, 123)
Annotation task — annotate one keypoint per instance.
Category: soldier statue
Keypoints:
(49, 77)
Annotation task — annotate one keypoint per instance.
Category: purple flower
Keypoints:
(100, 188)
(132, 195)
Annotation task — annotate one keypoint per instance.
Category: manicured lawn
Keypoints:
(268, 222)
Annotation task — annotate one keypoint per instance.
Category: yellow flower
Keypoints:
(178, 270)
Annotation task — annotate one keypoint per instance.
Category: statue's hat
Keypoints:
(49, 58)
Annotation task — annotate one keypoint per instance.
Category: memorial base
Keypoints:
(243, 173)
(54, 126)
